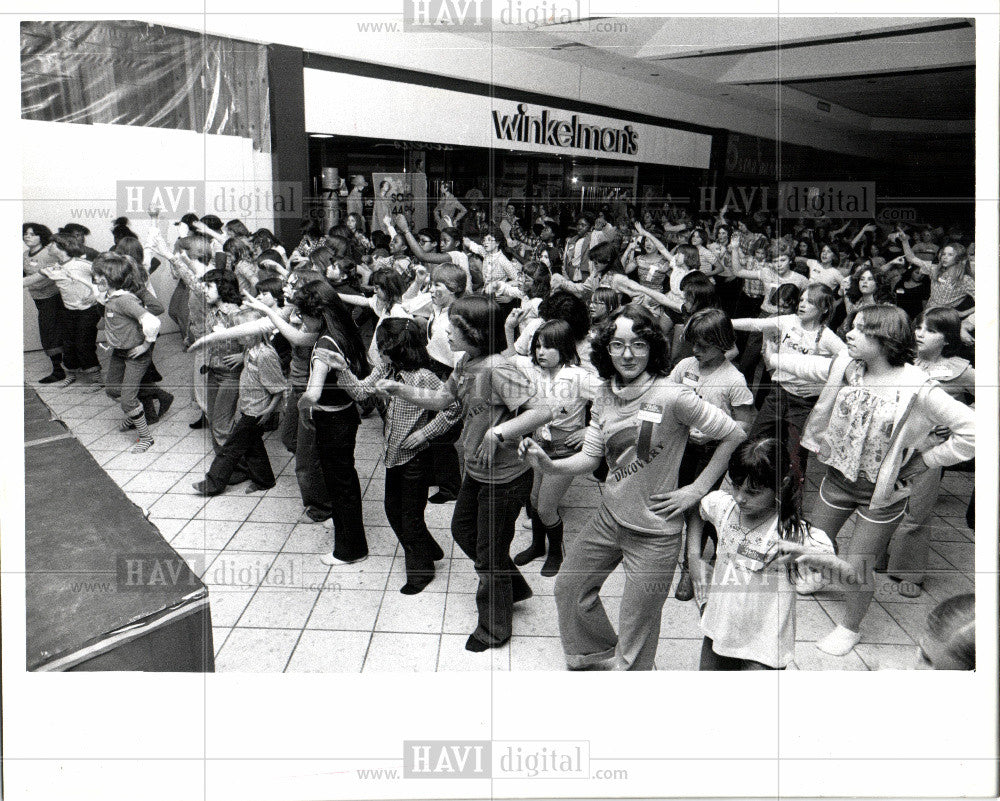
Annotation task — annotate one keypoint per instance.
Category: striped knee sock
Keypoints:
(138, 418)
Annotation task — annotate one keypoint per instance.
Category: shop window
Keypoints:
(132, 73)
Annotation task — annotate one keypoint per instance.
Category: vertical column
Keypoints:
(290, 154)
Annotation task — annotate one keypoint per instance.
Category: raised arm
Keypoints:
(278, 318)
(664, 251)
(632, 288)
(925, 266)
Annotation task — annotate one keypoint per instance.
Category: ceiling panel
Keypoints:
(948, 94)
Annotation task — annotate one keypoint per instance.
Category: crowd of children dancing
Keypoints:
(694, 366)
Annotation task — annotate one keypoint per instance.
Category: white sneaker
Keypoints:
(333, 561)
(839, 642)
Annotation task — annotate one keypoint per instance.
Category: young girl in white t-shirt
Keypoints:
(565, 387)
(791, 398)
(748, 600)
(715, 379)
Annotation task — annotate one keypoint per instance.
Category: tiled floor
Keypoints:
(275, 607)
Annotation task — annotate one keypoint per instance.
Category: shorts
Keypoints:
(838, 492)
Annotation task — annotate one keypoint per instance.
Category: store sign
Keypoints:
(415, 113)
(551, 128)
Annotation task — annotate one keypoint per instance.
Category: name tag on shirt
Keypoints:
(650, 413)
(690, 380)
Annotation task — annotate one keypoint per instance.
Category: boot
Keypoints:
(57, 374)
(164, 400)
(537, 547)
(554, 560)
(685, 587)
(90, 379)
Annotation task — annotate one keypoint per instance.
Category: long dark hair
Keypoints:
(402, 343)
(765, 464)
(227, 283)
(318, 299)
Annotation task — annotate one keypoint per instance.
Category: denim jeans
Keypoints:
(483, 527)
(301, 440)
(244, 447)
(223, 394)
(405, 502)
(336, 433)
(124, 376)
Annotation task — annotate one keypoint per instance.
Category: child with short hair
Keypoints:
(262, 386)
(74, 277)
(130, 330)
(714, 378)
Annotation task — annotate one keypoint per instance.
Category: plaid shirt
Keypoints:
(951, 293)
(401, 417)
(260, 380)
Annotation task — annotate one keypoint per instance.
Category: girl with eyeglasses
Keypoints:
(640, 423)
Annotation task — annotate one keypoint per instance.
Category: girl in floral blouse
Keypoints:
(875, 428)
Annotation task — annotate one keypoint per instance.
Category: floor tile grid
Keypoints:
(78, 412)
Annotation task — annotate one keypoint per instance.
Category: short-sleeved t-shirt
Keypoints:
(772, 280)
(644, 456)
(792, 337)
(723, 386)
(491, 390)
(750, 613)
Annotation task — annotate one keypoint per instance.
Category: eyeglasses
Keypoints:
(636, 347)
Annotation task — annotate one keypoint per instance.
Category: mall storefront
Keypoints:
(487, 150)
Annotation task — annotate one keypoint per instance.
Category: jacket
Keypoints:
(923, 404)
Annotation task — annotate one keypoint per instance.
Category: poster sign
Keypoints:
(400, 193)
